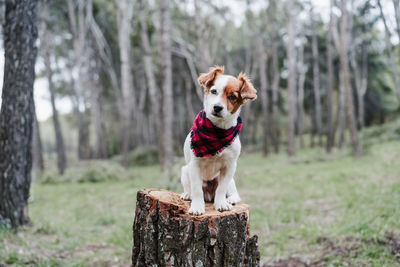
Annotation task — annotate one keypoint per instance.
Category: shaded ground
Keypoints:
(344, 252)
(313, 210)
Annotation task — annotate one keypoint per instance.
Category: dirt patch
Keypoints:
(392, 241)
(290, 262)
(346, 248)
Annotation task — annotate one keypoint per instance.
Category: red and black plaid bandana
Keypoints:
(207, 139)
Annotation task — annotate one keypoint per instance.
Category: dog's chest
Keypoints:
(210, 167)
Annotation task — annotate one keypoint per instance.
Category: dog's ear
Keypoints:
(208, 79)
(247, 91)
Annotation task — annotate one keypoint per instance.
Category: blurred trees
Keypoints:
(130, 70)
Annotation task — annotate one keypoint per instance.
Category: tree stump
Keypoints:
(165, 234)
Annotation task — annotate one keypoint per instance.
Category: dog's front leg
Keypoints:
(226, 176)
(197, 206)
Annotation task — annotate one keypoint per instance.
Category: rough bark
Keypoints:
(316, 85)
(262, 61)
(47, 50)
(167, 99)
(389, 49)
(329, 87)
(165, 234)
(17, 111)
(291, 54)
(125, 14)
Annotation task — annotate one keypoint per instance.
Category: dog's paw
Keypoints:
(222, 205)
(197, 209)
(233, 199)
(185, 196)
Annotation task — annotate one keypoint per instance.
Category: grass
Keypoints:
(315, 206)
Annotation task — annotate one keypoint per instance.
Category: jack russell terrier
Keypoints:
(212, 147)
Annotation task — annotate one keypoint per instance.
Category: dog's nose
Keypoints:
(218, 108)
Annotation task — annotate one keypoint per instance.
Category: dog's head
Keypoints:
(225, 94)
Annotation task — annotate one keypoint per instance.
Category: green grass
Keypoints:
(313, 206)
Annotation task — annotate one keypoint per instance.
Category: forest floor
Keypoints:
(312, 210)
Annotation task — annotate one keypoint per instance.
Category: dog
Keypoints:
(212, 147)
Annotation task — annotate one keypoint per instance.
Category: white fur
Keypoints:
(223, 165)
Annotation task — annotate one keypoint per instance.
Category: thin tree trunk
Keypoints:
(79, 30)
(389, 49)
(47, 50)
(37, 150)
(275, 92)
(360, 78)
(291, 54)
(342, 110)
(329, 88)
(150, 77)
(262, 61)
(396, 4)
(17, 111)
(300, 95)
(316, 85)
(97, 113)
(167, 99)
(125, 14)
(344, 47)
(204, 57)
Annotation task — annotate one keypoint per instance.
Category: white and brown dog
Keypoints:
(212, 147)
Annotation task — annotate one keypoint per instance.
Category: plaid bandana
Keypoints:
(208, 140)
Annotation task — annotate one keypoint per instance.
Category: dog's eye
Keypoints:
(232, 97)
(213, 91)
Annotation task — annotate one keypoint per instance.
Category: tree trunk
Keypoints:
(83, 134)
(291, 54)
(166, 235)
(125, 13)
(150, 77)
(79, 29)
(97, 113)
(396, 4)
(359, 78)
(342, 110)
(37, 150)
(167, 99)
(262, 61)
(275, 92)
(389, 49)
(47, 51)
(329, 87)
(351, 118)
(300, 95)
(316, 85)
(17, 111)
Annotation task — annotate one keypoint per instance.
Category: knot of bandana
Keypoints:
(207, 139)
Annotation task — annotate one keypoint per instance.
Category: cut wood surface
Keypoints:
(165, 234)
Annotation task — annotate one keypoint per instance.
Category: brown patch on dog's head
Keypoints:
(207, 80)
(237, 91)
